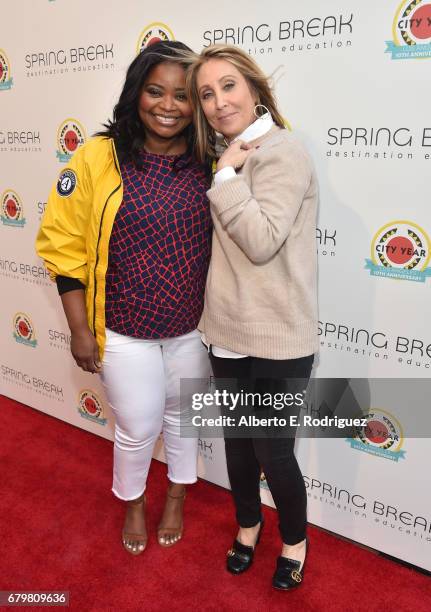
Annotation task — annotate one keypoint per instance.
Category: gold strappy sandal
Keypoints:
(139, 540)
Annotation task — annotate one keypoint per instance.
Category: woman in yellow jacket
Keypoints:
(126, 237)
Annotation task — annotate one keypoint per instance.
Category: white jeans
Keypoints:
(142, 383)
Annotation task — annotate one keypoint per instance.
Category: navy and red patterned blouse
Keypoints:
(159, 249)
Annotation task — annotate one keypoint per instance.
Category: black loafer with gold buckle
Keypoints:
(287, 574)
(240, 556)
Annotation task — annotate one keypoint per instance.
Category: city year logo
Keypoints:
(90, 407)
(12, 212)
(382, 436)
(153, 33)
(71, 135)
(411, 31)
(6, 80)
(401, 250)
(24, 330)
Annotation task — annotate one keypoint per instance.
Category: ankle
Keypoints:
(294, 551)
(176, 490)
(250, 529)
(248, 535)
(135, 504)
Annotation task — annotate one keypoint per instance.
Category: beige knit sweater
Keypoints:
(261, 294)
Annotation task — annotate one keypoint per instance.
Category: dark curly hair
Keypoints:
(126, 128)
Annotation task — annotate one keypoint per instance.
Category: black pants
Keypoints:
(247, 457)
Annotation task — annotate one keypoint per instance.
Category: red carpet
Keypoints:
(61, 531)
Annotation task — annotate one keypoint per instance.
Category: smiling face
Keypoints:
(226, 97)
(163, 106)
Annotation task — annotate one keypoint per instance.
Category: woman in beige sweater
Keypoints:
(260, 314)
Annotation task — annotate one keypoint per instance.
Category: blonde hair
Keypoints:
(255, 77)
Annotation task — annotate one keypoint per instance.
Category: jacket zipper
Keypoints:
(98, 239)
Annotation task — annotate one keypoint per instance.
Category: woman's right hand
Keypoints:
(83, 344)
(235, 155)
(85, 350)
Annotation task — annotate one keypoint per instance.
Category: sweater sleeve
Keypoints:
(258, 218)
(61, 240)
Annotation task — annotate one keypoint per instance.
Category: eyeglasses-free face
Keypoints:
(226, 97)
(163, 106)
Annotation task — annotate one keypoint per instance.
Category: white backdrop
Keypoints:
(355, 86)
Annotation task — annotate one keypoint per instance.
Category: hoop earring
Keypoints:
(260, 106)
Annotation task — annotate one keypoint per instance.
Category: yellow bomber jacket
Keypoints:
(73, 239)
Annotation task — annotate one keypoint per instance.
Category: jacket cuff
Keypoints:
(65, 284)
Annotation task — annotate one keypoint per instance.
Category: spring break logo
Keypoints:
(411, 31)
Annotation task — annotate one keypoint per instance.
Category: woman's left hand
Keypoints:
(235, 155)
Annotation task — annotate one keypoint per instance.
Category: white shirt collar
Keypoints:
(258, 128)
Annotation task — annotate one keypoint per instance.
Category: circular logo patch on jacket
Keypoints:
(66, 183)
